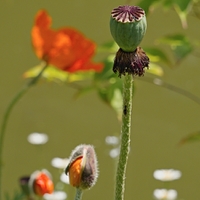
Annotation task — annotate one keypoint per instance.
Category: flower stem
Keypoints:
(125, 137)
(79, 194)
(16, 98)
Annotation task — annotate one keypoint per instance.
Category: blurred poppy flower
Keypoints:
(65, 48)
(41, 183)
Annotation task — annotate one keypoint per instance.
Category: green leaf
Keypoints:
(84, 90)
(107, 71)
(106, 91)
(193, 137)
(80, 76)
(155, 69)
(51, 73)
(182, 8)
(111, 94)
(56, 75)
(180, 45)
(157, 55)
(17, 196)
(168, 3)
(117, 102)
(147, 4)
(109, 47)
(7, 196)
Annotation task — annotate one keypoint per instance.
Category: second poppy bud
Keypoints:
(40, 183)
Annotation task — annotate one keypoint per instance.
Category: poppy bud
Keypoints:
(128, 26)
(41, 183)
(82, 167)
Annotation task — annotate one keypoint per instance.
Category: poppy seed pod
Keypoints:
(128, 26)
(82, 168)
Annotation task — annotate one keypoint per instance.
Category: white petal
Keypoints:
(112, 140)
(165, 194)
(167, 174)
(114, 152)
(57, 195)
(60, 163)
(64, 178)
(37, 138)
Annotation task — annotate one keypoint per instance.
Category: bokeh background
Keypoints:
(161, 117)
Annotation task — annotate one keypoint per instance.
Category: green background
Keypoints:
(161, 118)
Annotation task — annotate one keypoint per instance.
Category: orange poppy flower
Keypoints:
(65, 48)
(42, 184)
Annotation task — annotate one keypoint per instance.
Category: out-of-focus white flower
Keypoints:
(37, 138)
(64, 178)
(59, 163)
(114, 152)
(164, 194)
(112, 140)
(57, 195)
(167, 174)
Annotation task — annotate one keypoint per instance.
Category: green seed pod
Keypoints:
(128, 26)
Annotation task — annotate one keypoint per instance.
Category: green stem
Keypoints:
(125, 137)
(79, 194)
(16, 98)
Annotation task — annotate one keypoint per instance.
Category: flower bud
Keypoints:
(82, 167)
(40, 183)
(128, 26)
(23, 181)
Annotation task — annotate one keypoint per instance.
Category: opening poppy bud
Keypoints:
(40, 182)
(128, 26)
(82, 168)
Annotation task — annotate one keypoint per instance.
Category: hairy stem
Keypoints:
(16, 98)
(125, 137)
(79, 194)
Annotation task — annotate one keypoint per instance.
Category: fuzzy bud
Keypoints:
(82, 168)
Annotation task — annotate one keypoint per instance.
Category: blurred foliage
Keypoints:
(192, 137)
(182, 7)
(16, 196)
(179, 44)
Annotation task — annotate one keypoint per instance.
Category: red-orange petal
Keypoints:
(42, 35)
(66, 48)
(79, 66)
(75, 172)
(43, 184)
(42, 19)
